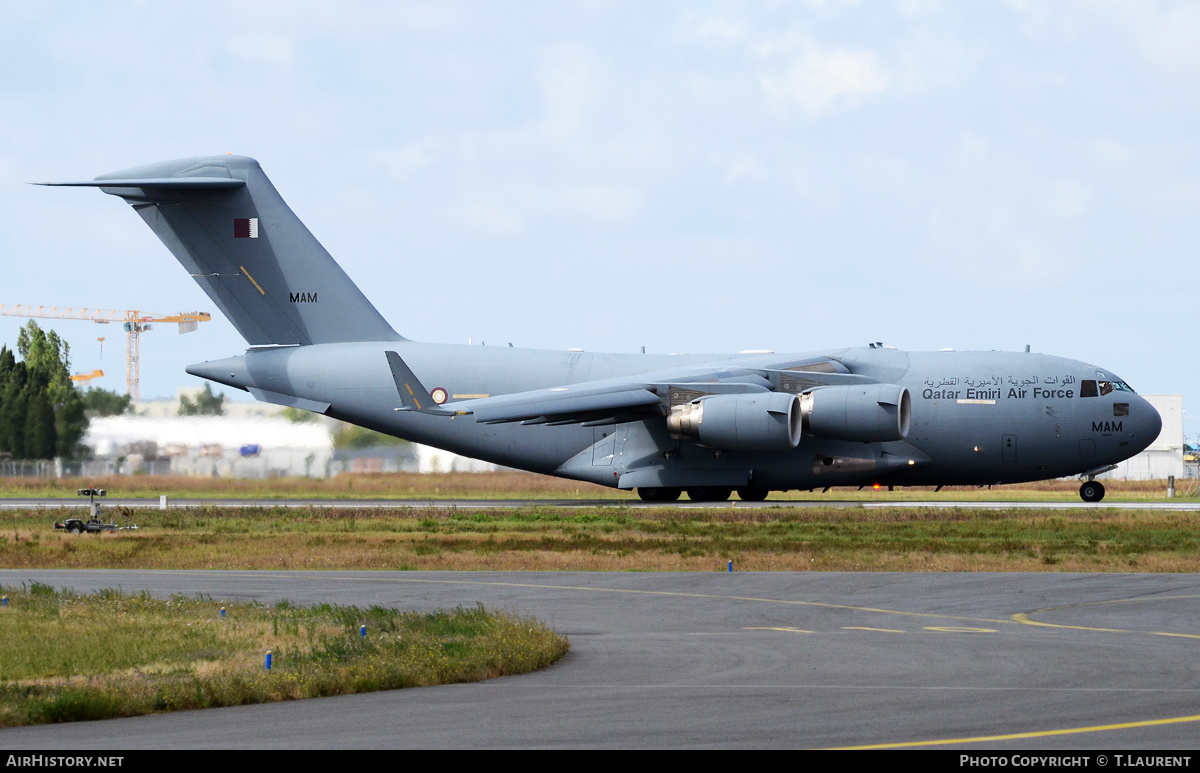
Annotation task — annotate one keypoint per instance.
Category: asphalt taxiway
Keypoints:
(1031, 661)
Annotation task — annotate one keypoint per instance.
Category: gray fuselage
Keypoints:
(977, 417)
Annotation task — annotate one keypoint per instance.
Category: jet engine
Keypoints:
(869, 413)
(758, 421)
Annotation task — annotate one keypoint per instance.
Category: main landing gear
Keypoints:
(702, 494)
(709, 494)
(655, 494)
(1091, 491)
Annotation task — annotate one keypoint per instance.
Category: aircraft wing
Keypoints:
(573, 404)
(605, 402)
(577, 403)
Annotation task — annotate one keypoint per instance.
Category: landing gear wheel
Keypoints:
(659, 494)
(752, 494)
(709, 494)
(1091, 491)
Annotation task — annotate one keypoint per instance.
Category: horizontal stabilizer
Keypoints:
(161, 183)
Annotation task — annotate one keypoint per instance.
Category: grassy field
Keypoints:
(116, 654)
(521, 485)
(616, 538)
(75, 657)
(120, 655)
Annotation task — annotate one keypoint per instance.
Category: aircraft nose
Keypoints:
(1147, 423)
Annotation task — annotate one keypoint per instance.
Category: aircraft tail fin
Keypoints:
(225, 222)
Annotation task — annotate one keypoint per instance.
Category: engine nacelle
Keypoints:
(757, 421)
(870, 413)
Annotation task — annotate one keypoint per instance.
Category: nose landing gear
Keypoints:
(1091, 491)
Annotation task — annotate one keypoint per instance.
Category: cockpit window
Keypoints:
(1107, 387)
(1087, 388)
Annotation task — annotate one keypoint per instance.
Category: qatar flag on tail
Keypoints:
(245, 228)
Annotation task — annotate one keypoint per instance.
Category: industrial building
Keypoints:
(252, 440)
(1164, 457)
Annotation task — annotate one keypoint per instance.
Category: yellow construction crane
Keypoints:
(134, 322)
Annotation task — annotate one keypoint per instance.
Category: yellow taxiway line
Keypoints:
(1035, 734)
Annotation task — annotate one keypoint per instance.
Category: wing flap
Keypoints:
(800, 381)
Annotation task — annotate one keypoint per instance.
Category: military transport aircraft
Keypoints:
(708, 425)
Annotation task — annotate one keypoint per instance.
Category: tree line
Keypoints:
(42, 413)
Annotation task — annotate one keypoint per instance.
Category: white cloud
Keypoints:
(820, 81)
(1067, 199)
(566, 94)
(744, 169)
(264, 47)
(1111, 152)
(1181, 197)
(402, 161)
(510, 212)
(1169, 38)
(720, 27)
(603, 204)
(1162, 33)
(491, 220)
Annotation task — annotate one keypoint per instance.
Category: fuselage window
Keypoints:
(1087, 388)
(1120, 409)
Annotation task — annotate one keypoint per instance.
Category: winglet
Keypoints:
(413, 395)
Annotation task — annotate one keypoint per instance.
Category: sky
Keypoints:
(685, 176)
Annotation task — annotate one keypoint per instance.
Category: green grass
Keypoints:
(616, 538)
(522, 485)
(485, 485)
(71, 657)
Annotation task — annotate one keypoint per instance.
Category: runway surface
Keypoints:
(25, 503)
(1042, 661)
